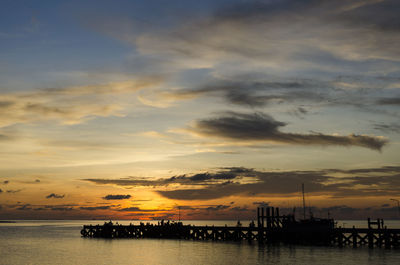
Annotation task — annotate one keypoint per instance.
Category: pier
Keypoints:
(271, 228)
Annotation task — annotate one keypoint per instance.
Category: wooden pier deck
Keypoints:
(276, 229)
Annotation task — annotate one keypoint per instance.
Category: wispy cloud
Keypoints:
(55, 196)
(117, 197)
(94, 208)
(68, 105)
(387, 127)
(329, 32)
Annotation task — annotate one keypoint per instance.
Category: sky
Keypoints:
(207, 109)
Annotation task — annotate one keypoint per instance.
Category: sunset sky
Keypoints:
(135, 109)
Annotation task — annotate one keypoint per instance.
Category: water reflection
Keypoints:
(61, 244)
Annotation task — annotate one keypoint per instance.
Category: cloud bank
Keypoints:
(247, 182)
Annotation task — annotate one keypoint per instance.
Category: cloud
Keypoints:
(60, 208)
(262, 204)
(116, 197)
(244, 91)
(24, 207)
(387, 127)
(318, 182)
(94, 208)
(32, 109)
(329, 54)
(263, 128)
(217, 208)
(7, 137)
(68, 105)
(389, 101)
(13, 191)
(128, 86)
(30, 207)
(185, 207)
(194, 179)
(240, 209)
(385, 169)
(245, 182)
(55, 196)
(333, 29)
(137, 209)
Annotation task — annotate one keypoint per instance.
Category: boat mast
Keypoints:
(304, 202)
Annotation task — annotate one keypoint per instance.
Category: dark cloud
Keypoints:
(7, 137)
(116, 197)
(24, 207)
(13, 191)
(211, 176)
(55, 196)
(299, 112)
(387, 128)
(217, 207)
(239, 209)
(317, 182)
(130, 181)
(261, 127)
(185, 207)
(256, 93)
(385, 169)
(137, 209)
(394, 210)
(389, 101)
(5, 104)
(341, 208)
(29, 207)
(60, 208)
(384, 181)
(94, 208)
(262, 204)
(195, 179)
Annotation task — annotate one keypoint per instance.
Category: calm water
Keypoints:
(59, 242)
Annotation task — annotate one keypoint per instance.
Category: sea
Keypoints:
(60, 242)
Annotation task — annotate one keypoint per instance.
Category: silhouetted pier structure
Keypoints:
(271, 228)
